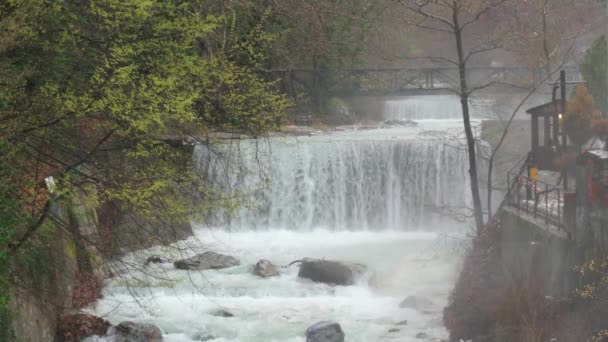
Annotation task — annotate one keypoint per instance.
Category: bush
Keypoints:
(580, 113)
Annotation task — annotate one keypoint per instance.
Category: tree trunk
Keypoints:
(466, 118)
(316, 86)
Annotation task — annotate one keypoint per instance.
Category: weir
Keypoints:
(397, 179)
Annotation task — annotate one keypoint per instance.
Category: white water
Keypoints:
(440, 107)
(280, 309)
(361, 196)
(349, 180)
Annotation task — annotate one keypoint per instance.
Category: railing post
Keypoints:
(547, 203)
(527, 180)
(559, 213)
(518, 193)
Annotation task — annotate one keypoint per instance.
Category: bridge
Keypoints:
(316, 84)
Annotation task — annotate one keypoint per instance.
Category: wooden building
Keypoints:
(545, 134)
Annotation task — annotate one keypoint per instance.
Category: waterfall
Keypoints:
(423, 107)
(434, 107)
(386, 179)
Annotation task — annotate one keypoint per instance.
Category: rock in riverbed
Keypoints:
(265, 269)
(222, 313)
(134, 332)
(417, 303)
(325, 331)
(206, 261)
(330, 272)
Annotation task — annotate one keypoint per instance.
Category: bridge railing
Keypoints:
(539, 199)
(395, 80)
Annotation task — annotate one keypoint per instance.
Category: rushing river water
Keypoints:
(376, 197)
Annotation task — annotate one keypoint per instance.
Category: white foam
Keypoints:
(280, 309)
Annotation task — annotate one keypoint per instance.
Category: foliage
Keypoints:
(94, 94)
(324, 34)
(600, 127)
(594, 278)
(109, 75)
(580, 112)
(87, 290)
(594, 70)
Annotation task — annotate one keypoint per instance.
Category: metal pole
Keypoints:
(547, 203)
(559, 210)
(518, 193)
(562, 77)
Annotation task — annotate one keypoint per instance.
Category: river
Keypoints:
(390, 198)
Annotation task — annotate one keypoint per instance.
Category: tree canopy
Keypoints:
(593, 69)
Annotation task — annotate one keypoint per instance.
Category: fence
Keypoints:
(539, 199)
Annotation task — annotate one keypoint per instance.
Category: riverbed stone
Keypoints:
(222, 313)
(422, 336)
(135, 332)
(206, 261)
(325, 331)
(416, 302)
(330, 271)
(265, 269)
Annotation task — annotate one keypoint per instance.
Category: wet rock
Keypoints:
(79, 326)
(222, 313)
(265, 269)
(422, 335)
(394, 330)
(402, 123)
(330, 272)
(415, 302)
(203, 337)
(206, 261)
(134, 332)
(325, 331)
(153, 260)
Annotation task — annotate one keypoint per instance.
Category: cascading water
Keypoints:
(341, 181)
(434, 107)
(367, 196)
(423, 107)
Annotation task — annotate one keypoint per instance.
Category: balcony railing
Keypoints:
(539, 199)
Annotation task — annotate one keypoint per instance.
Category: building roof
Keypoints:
(597, 154)
(546, 109)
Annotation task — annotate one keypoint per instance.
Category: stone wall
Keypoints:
(537, 254)
(73, 246)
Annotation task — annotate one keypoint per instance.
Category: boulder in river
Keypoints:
(329, 271)
(415, 302)
(222, 313)
(135, 332)
(422, 336)
(265, 269)
(155, 259)
(325, 331)
(402, 123)
(75, 327)
(206, 261)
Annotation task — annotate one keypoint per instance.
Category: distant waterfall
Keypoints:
(433, 107)
(423, 107)
(386, 180)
